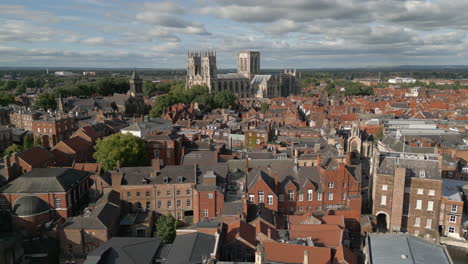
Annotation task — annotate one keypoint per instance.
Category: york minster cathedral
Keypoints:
(247, 82)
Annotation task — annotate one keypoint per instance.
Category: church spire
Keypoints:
(135, 75)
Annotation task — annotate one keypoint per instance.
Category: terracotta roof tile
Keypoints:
(289, 253)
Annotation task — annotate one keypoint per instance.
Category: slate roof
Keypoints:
(414, 167)
(30, 205)
(152, 124)
(125, 250)
(389, 249)
(191, 248)
(398, 146)
(453, 189)
(231, 76)
(300, 177)
(43, 180)
(260, 79)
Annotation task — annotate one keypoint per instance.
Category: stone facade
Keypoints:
(247, 82)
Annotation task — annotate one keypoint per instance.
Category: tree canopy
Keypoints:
(197, 94)
(124, 149)
(264, 107)
(12, 149)
(45, 101)
(166, 228)
(6, 98)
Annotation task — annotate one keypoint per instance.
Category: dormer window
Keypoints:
(180, 178)
(165, 179)
(422, 174)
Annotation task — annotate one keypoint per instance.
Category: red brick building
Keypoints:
(330, 187)
(407, 193)
(58, 192)
(51, 129)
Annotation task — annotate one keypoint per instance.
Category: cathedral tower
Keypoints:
(136, 85)
(248, 63)
(202, 70)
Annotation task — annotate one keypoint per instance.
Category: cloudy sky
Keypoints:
(289, 33)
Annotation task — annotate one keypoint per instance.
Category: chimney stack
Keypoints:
(156, 164)
(269, 233)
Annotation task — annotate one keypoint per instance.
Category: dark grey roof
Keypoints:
(260, 79)
(259, 163)
(232, 208)
(152, 124)
(401, 248)
(228, 76)
(396, 145)
(29, 205)
(104, 215)
(125, 250)
(414, 167)
(191, 248)
(43, 180)
(200, 157)
(254, 212)
(300, 177)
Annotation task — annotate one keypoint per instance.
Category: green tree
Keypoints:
(12, 149)
(45, 101)
(38, 142)
(224, 99)
(10, 85)
(264, 107)
(166, 228)
(28, 142)
(124, 149)
(162, 102)
(29, 82)
(6, 98)
(20, 89)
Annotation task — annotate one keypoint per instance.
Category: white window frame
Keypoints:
(430, 205)
(453, 208)
(418, 204)
(420, 191)
(205, 212)
(451, 229)
(251, 198)
(261, 197)
(58, 202)
(454, 217)
(331, 185)
(383, 200)
(384, 187)
(291, 195)
(429, 223)
(330, 196)
(431, 192)
(422, 174)
(210, 195)
(270, 199)
(310, 195)
(301, 197)
(319, 196)
(417, 221)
